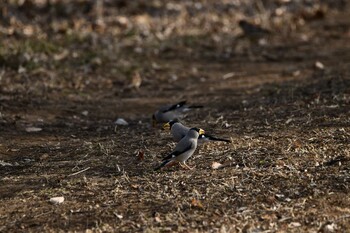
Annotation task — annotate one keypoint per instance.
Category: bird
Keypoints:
(252, 30)
(183, 150)
(171, 112)
(178, 131)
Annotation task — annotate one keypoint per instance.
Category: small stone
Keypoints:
(294, 224)
(216, 165)
(33, 129)
(319, 65)
(331, 227)
(289, 121)
(121, 121)
(57, 200)
(228, 75)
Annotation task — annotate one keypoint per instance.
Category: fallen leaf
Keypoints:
(294, 224)
(61, 56)
(122, 21)
(319, 65)
(216, 165)
(296, 73)
(223, 229)
(174, 77)
(330, 227)
(333, 106)
(157, 219)
(156, 216)
(57, 200)
(297, 144)
(3, 163)
(118, 215)
(289, 121)
(21, 69)
(197, 203)
(141, 155)
(136, 80)
(96, 61)
(228, 75)
(155, 66)
(268, 217)
(28, 30)
(44, 156)
(33, 129)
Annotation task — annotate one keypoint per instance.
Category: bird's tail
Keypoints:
(166, 162)
(181, 105)
(195, 106)
(220, 140)
(212, 138)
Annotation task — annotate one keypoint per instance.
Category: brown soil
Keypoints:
(285, 104)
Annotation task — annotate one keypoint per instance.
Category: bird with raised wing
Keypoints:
(171, 112)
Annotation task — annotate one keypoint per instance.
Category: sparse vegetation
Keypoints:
(282, 97)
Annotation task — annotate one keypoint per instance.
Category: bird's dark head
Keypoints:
(198, 130)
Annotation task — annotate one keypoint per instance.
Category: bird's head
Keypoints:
(168, 125)
(199, 130)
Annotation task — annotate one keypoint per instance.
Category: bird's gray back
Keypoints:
(164, 108)
(179, 131)
(192, 134)
(165, 116)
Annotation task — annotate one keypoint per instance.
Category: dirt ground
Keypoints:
(69, 71)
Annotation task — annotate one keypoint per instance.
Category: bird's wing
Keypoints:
(175, 106)
(178, 152)
(164, 163)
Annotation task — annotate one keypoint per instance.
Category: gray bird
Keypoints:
(171, 112)
(183, 150)
(178, 131)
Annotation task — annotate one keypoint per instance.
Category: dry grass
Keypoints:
(286, 170)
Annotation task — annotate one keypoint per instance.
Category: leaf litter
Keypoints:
(287, 117)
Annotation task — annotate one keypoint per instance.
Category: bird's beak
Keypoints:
(201, 131)
(166, 126)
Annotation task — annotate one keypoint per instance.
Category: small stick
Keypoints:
(76, 173)
(42, 214)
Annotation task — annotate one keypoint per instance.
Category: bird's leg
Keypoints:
(182, 165)
(188, 167)
(154, 124)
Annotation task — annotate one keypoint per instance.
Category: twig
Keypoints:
(45, 213)
(76, 173)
